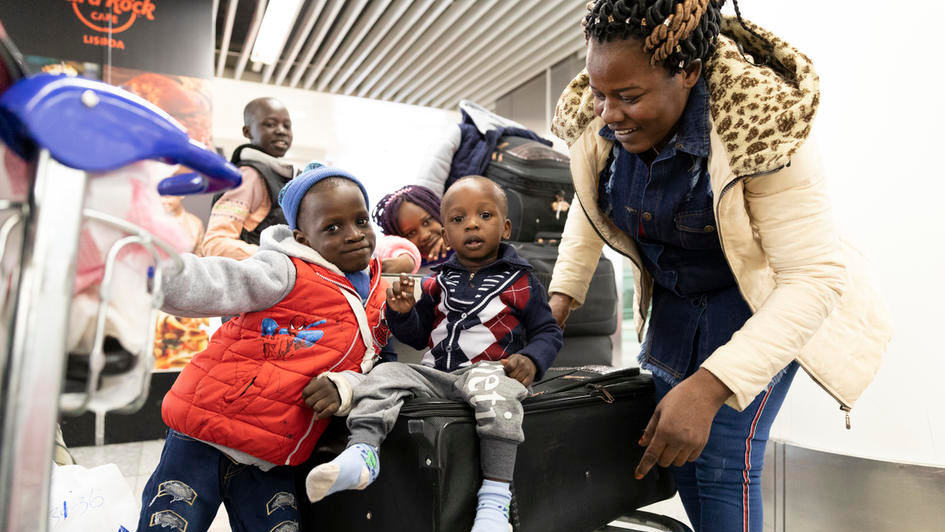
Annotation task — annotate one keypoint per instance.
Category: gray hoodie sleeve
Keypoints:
(219, 286)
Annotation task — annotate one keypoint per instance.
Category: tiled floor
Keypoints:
(137, 460)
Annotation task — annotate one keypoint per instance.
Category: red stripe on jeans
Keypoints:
(751, 434)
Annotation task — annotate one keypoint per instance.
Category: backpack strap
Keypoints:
(274, 183)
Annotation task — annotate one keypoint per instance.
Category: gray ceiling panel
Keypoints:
(302, 34)
(247, 46)
(324, 24)
(429, 34)
(425, 52)
(506, 48)
(396, 42)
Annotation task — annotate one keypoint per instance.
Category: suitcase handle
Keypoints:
(580, 377)
(601, 390)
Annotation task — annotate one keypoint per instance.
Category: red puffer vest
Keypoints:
(245, 390)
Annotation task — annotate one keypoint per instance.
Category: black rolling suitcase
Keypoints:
(589, 328)
(574, 471)
(537, 182)
(598, 316)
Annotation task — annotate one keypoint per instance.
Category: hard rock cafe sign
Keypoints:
(111, 17)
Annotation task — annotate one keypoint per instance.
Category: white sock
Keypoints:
(355, 468)
(492, 512)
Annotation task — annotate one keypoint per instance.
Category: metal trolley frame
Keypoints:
(70, 128)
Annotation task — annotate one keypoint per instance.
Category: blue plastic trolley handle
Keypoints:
(96, 127)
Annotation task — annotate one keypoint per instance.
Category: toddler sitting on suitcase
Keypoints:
(490, 332)
(310, 303)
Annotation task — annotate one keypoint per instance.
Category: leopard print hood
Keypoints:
(762, 115)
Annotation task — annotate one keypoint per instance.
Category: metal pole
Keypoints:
(30, 401)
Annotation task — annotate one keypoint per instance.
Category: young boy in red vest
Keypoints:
(309, 306)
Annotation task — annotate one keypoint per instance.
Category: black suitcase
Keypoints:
(537, 181)
(574, 471)
(598, 315)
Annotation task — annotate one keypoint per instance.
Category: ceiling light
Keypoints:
(274, 30)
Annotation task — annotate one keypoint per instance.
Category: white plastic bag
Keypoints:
(91, 500)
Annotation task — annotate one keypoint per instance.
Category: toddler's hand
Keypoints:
(400, 294)
(322, 396)
(520, 368)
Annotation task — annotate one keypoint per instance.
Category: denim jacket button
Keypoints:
(647, 216)
(709, 228)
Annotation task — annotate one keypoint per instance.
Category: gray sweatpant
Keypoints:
(496, 398)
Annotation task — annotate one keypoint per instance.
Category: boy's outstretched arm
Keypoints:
(218, 286)
(543, 336)
(409, 320)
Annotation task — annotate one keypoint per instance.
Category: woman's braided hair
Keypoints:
(674, 32)
(385, 213)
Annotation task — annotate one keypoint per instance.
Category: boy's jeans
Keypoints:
(721, 490)
(193, 478)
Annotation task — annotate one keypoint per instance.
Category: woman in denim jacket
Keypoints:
(688, 147)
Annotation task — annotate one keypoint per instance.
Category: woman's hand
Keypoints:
(560, 307)
(400, 295)
(679, 428)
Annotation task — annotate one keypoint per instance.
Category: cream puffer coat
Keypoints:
(809, 291)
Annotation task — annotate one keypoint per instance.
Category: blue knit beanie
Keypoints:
(292, 193)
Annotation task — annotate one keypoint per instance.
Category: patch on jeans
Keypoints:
(286, 526)
(168, 519)
(280, 500)
(177, 490)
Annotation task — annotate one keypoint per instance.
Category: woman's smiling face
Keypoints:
(641, 103)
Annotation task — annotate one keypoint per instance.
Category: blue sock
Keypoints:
(492, 512)
(355, 468)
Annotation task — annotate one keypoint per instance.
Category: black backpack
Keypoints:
(274, 183)
(537, 181)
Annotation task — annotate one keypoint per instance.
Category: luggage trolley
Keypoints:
(69, 128)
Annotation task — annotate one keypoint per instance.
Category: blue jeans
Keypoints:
(193, 478)
(721, 490)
